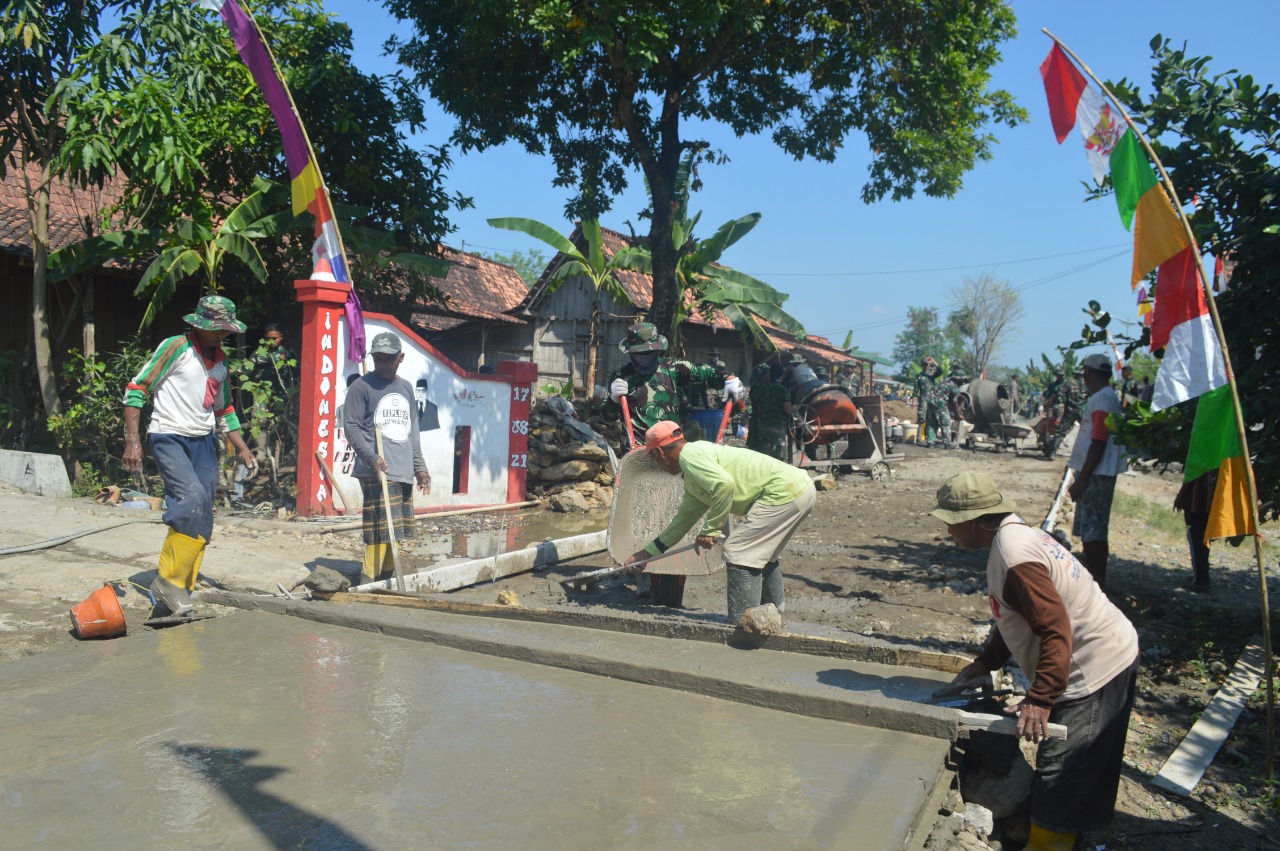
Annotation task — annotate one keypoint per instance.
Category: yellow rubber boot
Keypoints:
(376, 557)
(180, 559)
(195, 565)
(1049, 840)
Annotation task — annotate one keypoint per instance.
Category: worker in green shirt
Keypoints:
(769, 497)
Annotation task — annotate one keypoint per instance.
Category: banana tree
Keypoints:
(592, 265)
(708, 284)
(196, 245)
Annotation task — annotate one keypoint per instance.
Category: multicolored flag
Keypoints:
(1181, 325)
(1073, 102)
(1215, 445)
(306, 184)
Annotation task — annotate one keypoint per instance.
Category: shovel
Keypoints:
(391, 523)
(587, 581)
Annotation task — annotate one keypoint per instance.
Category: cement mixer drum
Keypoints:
(989, 404)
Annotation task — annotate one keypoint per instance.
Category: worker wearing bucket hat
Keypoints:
(186, 379)
(771, 499)
(657, 387)
(1080, 651)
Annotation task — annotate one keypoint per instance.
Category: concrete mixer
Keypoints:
(824, 414)
(986, 406)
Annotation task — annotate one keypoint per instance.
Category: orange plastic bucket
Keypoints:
(99, 616)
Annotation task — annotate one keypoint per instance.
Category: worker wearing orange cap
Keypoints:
(769, 497)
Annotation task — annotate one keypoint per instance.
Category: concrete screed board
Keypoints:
(258, 731)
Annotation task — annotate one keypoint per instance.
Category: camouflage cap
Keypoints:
(796, 357)
(215, 313)
(643, 337)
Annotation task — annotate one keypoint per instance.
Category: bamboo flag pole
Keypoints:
(1241, 431)
(311, 151)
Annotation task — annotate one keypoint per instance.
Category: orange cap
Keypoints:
(661, 434)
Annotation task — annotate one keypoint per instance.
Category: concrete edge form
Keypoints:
(1183, 769)
(622, 659)
(457, 575)
(865, 650)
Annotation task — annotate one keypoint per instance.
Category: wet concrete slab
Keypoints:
(256, 730)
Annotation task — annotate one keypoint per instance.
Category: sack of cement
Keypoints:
(645, 498)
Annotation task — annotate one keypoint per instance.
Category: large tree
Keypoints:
(986, 315)
(39, 43)
(199, 155)
(607, 87)
(925, 335)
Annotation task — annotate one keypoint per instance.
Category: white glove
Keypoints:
(618, 389)
(733, 388)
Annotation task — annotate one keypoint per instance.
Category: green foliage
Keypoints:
(266, 394)
(1216, 135)
(924, 336)
(610, 86)
(553, 389)
(164, 101)
(529, 264)
(91, 429)
(590, 263)
(196, 245)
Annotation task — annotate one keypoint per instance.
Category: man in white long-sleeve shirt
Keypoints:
(771, 497)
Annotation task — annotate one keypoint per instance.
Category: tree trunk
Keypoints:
(45, 376)
(664, 254)
(86, 312)
(592, 345)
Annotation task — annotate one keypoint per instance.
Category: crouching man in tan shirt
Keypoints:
(1079, 650)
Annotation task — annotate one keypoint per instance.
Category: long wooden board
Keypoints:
(1186, 765)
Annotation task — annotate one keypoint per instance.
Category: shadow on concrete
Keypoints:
(899, 688)
(280, 823)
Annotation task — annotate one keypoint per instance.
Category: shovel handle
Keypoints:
(724, 421)
(386, 510)
(626, 416)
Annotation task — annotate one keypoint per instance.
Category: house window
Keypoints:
(461, 458)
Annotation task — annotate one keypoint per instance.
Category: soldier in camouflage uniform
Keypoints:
(770, 414)
(1071, 395)
(931, 404)
(656, 389)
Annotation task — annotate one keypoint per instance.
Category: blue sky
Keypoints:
(848, 265)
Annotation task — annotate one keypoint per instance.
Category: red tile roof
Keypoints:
(478, 289)
(69, 206)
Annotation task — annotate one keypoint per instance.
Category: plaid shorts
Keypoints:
(1093, 511)
(375, 518)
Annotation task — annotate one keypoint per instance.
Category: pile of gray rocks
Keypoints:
(567, 471)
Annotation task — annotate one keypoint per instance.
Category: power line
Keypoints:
(934, 269)
(1038, 282)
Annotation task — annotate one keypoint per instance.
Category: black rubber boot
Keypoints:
(771, 587)
(667, 590)
(744, 586)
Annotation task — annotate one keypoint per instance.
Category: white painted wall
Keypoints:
(462, 399)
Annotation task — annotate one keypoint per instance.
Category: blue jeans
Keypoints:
(189, 467)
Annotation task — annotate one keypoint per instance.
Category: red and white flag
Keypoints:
(1073, 102)
(1181, 325)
